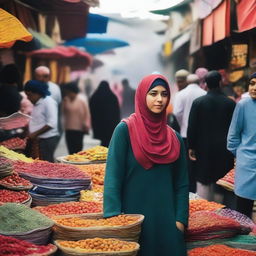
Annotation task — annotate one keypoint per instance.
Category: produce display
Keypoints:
(97, 188)
(18, 218)
(95, 171)
(219, 250)
(206, 225)
(116, 221)
(10, 246)
(97, 153)
(228, 180)
(70, 208)
(44, 169)
(10, 154)
(6, 167)
(203, 205)
(9, 196)
(91, 196)
(14, 143)
(98, 245)
(14, 182)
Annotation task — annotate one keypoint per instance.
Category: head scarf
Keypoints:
(37, 87)
(153, 142)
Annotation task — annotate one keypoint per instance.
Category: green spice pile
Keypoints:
(18, 218)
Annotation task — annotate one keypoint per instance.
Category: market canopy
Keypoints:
(97, 23)
(45, 40)
(167, 11)
(68, 55)
(11, 30)
(96, 45)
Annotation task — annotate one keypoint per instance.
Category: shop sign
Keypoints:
(239, 56)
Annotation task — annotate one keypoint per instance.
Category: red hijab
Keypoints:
(152, 140)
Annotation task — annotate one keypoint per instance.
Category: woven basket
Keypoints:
(128, 233)
(17, 188)
(71, 252)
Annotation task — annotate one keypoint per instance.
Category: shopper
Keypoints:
(146, 172)
(43, 125)
(105, 113)
(242, 143)
(76, 117)
(127, 107)
(209, 121)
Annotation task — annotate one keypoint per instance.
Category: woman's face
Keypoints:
(252, 88)
(156, 99)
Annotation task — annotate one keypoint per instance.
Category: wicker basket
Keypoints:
(71, 252)
(128, 233)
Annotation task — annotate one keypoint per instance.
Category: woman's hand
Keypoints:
(180, 226)
(192, 154)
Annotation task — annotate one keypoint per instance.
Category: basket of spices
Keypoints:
(125, 227)
(9, 196)
(22, 222)
(13, 246)
(98, 247)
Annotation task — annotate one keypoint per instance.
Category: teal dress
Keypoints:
(160, 194)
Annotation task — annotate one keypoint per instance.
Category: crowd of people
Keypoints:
(164, 147)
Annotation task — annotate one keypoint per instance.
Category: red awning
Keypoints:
(70, 55)
(216, 26)
(246, 18)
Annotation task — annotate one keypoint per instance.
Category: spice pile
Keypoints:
(69, 208)
(203, 205)
(98, 245)
(219, 250)
(11, 246)
(8, 196)
(228, 180)
(14, 143)
(120, 220)
(206, 225)
(12, 155)
(22, 222)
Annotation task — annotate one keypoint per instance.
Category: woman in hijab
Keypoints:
(146, 172)
(105, 113)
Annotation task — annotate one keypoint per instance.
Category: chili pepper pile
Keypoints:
(70, 208)
(46, 169)
(15, 180)
(14, 143)
(205, 225)
(220, 250)
(9, 196)
(228, 180)
(10, 246)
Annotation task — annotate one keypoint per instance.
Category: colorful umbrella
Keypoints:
(11, 30)
(96, 45)
(68, 55)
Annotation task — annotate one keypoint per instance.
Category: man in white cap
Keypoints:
(182, 105)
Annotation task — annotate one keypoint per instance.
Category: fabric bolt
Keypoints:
(182, 105)
(209, 121)
(160, 194)
(45, 112)
(242, 143)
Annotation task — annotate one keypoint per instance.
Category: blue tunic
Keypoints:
(242, 143)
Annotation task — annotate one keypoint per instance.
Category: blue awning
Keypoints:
(97, 23)
(96, 45)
